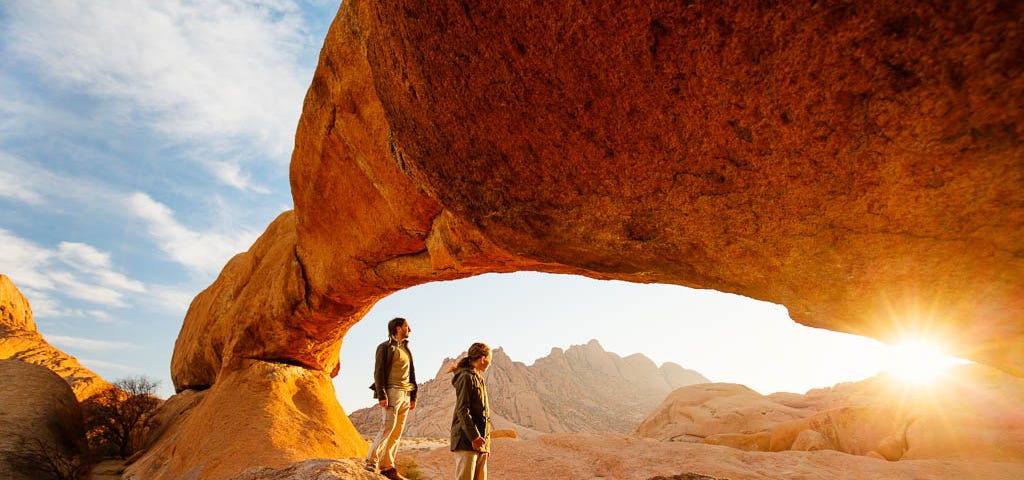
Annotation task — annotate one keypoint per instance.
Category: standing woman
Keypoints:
(471, 421)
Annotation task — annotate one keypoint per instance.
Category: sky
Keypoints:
(143, 143)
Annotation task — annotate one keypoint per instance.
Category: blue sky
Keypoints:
(143, 143)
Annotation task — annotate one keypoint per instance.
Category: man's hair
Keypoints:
(394, 324)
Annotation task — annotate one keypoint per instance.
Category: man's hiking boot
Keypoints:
(392, 474)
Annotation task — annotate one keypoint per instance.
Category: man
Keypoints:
(394, 386)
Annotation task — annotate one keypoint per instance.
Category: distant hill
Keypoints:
(20, 340)
(584, 389)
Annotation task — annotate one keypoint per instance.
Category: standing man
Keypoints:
(394, 386)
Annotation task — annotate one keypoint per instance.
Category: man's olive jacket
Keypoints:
(382, 366)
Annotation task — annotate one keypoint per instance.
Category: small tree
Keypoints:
(115, 414)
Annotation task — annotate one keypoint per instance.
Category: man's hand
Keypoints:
(478, 443)
(412, 405)
(383, 403)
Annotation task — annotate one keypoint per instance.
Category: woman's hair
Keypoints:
(476, 351)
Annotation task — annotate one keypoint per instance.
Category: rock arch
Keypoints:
(860, 163)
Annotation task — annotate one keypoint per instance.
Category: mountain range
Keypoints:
(582, 389)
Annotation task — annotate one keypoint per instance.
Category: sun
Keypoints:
(918, 362)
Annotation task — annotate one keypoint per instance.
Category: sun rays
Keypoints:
(918, 362)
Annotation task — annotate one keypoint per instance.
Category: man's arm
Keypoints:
(381, 366)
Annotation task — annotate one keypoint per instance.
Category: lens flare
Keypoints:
(918, 362)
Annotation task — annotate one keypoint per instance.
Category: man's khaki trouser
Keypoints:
(382, 452)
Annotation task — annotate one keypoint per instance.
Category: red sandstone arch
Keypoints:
(860, 163)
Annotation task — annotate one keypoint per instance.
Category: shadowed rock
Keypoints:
(40, 421)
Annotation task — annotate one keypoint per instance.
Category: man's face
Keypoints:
(403, 331)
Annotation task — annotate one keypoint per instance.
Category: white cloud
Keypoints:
(22, 261)
(82, 255)
(230, 173)
(215, 74)
(87, 343)
(86, 258)
(48, 189)
(202, 252)
(99, 365)
(173, 299)
(18, 189)
(77, 270)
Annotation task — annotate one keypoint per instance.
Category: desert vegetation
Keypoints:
(71, 444)
(115, 418)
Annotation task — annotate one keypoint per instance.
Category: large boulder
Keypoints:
(261, 414)
(695, 412)
(857, 162)
(41, 426)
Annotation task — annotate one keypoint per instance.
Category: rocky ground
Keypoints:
(588, 456)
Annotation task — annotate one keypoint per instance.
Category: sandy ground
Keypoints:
(583, 456)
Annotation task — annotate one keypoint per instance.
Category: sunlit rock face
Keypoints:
(859, 163)
(20, 340)
(971, 413)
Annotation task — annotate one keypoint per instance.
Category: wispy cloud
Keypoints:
(222, 76)
(173, 299)
(20, 185)
(88, 344)
(201, 252)
(74, 269)
(43, 187)
(98, 365)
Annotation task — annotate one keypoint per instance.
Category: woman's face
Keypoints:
(482, 363)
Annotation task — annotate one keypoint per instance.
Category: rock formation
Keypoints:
(974, 414)
(693, 413)
(40, 419)
(858, 163)
(20, 340)
(582, 389)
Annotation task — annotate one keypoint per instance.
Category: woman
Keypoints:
(471, 421)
